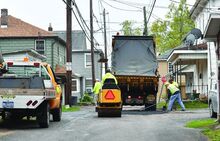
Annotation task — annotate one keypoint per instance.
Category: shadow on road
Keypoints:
(140, 110)
(18, 124)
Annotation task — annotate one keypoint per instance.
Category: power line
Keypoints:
(120, 8)
(151, 11)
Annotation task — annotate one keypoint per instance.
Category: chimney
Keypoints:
(4, 18)
(50, 28)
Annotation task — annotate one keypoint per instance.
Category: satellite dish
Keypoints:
(196, 32)
(190, 39)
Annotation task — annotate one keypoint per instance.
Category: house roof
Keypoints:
(27, 51)
(166, 55)
(197, 8)
(78, 39)
(19, 28)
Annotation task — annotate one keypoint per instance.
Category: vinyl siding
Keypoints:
(9, 45)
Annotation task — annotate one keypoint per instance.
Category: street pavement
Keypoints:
(84, 125)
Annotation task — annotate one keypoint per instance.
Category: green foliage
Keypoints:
(210, 128)
(70, 109)
(86, 98)
(200, 123)
(170, 32)
(128, 28)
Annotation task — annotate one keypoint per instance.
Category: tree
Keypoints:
(170, 32)
(128, 29)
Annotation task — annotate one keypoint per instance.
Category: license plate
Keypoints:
(8, 104)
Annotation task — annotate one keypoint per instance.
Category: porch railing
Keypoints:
(193, 91)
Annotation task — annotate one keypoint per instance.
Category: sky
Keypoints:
(42, 12)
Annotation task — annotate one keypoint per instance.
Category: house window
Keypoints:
(170, 67)
(40, 46)
(88, 85)
(75, 86)
(88, 62)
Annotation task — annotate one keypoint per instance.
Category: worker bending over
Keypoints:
(175, 95)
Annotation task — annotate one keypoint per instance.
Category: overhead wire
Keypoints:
(80, 24)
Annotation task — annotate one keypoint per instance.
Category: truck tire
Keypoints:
(44, 117)
(212, 114)
(57, 113)
(100, 114)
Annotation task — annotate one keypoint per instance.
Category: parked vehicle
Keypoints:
(134, 64)
(214, 83)
(30, 89)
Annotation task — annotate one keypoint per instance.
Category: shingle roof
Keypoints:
(19, 28)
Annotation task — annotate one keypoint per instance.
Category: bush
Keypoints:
(86, 100)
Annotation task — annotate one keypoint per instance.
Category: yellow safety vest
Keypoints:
(172, 88)
(107, 76)
(176, 84)
(97, 87)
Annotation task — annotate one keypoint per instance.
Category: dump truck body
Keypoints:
(134, 64)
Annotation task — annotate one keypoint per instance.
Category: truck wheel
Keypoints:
(211, 111)
(44, 117)
(57, 113)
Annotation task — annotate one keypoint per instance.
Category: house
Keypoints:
(206, 13)
(164, 68)
(81, 63)
(190, 69)
(16, 35)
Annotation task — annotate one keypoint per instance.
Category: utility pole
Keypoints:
(68, 51)
(105, 40)
(92, 43)
(145, 22)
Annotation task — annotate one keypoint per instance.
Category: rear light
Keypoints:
(139, 97)
(29, 102)
(110, 95)
(129, 97)
(10, 64)
(34, 103)
(36, 64)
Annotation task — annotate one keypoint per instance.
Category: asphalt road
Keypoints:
(134, 125)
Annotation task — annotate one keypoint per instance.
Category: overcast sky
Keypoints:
(42, 12)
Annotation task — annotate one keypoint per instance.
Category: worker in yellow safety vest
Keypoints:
(96, 90)
(171, 81)
(109, 75)
(175, 95)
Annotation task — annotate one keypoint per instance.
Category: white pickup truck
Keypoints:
(30, 89)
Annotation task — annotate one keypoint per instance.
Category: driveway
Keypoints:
(84, 125)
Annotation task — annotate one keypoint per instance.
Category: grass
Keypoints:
(188, 104)
(70, 109)
(210, 128)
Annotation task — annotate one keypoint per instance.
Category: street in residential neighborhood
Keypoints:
(84, 125)
(110, 70)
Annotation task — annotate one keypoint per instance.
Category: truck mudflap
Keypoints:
(24, 98)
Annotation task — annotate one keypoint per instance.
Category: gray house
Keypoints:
(81, 63)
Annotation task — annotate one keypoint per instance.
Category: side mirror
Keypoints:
(59, 80)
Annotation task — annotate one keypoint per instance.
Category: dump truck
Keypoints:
(30, 89)
(134, 65)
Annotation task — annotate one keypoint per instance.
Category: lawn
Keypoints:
(188, 104)
(70, 109)
(210, 128)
